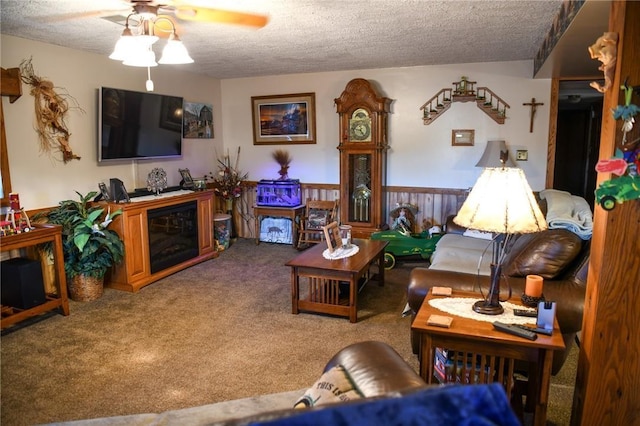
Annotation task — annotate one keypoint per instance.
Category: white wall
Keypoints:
(43, 180)
(419, 155)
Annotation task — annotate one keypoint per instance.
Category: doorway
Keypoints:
(577, 144)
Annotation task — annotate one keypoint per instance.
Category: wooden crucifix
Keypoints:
(534, 106)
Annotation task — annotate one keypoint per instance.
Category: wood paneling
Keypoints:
(434, 204)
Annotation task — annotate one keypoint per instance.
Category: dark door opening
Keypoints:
(577, 139)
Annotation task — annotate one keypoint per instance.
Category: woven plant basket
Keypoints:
(83, 288)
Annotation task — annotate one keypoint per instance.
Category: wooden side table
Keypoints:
(485, 355)
(287, 212)
(41, 234)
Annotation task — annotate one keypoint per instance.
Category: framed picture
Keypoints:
(187, 180)
(332, 236)
(284, 119)
(197, 122)
(462, 137)
(104, 191)
(171, 113)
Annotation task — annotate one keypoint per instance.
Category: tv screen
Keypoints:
(138, 125)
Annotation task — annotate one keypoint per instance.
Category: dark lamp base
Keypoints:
(484, 307)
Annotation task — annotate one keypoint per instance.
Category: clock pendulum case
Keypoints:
(363, 157)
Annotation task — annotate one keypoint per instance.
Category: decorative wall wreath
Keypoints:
(51, 109)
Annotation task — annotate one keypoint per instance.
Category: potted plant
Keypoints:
(89, 248)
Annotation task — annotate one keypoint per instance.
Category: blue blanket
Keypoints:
(468, 405)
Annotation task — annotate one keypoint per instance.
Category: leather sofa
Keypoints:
(558, 255)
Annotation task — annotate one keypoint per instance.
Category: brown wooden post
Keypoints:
(606, 390)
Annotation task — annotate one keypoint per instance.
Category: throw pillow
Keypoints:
(335, 385)
(545, 253)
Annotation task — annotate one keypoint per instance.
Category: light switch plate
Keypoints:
(522, 155)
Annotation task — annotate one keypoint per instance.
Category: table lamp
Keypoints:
(501, 202)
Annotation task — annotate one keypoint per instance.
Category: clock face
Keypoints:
(360, 126)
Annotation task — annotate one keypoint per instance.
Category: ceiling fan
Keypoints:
(188, 12)
(181, 9)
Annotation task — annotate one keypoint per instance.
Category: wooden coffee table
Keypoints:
(324, 277)
(473, 340)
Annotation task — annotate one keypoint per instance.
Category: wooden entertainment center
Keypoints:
(132, 225)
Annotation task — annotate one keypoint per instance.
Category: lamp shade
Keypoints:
(501, 201)
(123, 46)
(493, 155)
(143, 58)
(175, 52)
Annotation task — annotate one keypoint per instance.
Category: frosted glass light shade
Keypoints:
(175, 52)
(143, 58)
(124, 45)
(501, 201)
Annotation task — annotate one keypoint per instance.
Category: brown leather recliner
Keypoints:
(547, 253)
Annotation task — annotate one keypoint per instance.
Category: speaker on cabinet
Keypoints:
(22, 285)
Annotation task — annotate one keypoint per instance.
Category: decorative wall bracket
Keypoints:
(464, 91)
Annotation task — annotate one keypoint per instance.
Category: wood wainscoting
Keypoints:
(434, 204)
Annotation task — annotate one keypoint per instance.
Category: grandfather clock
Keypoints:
(363, 157)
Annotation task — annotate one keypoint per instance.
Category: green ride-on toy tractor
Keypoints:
(405, 243)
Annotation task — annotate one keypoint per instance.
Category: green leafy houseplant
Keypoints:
(90, 249)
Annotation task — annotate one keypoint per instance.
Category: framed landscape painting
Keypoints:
(197, 121)
(284, 119)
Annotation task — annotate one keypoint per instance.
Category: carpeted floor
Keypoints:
(218, 331)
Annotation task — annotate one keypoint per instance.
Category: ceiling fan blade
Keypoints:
(78, 15)
(190, 13)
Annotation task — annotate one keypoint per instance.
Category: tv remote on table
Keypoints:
(525, 313)
(516, 331)
(540, 330)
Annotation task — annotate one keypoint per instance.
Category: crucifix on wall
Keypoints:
(534, 106)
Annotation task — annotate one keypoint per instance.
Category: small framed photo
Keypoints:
(187, 180)
(104, 191)
(332, 236)
(462, 137)
(284, 119)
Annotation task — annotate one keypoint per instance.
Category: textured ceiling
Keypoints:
(309, 35)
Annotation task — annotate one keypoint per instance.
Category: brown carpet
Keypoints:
(217, 331)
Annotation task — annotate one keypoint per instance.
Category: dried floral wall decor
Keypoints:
(51, 108)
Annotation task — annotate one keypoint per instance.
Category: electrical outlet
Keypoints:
(522, 155)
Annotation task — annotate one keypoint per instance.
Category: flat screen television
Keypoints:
(138, 125)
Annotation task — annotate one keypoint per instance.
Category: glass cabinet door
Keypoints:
(360, 187)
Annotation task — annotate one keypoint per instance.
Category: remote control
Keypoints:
(525, 313)
(535, 329)
(517, 331)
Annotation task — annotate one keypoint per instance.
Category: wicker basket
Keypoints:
(83, 288)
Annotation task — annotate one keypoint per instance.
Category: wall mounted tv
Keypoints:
(138, 125)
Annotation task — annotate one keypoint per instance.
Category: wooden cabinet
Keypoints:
(132, 225)
(41, 234)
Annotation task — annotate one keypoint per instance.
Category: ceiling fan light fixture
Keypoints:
(142, 58)
(123, 45)
(175, 52)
